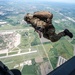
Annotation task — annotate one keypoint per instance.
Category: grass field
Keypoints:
(27, 38)
(61, 48)
(30, 42)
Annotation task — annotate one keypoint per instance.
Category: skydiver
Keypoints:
(42, 23)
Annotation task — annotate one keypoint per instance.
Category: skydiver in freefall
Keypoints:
(42, 23)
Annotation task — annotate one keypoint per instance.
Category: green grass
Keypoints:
(61, 48)
(33, 69)
(11, 27)
(29, 70)
(54, 50)
(3, 54)
(12, 53)
(64, 49)
(18, 59)
(26, 39)
(47, 46)
(73, 41)
(40, 50)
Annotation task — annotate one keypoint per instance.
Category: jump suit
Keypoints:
(48, 30)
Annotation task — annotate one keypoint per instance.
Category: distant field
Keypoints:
(31, 47)
(61, 48)
(30, 41)
(29, 70)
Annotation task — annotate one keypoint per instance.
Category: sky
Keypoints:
(64, 1)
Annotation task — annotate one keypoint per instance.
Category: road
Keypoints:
(29, 28)
(18, 54)
(46, 55)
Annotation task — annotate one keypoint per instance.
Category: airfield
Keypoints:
(29, 52)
